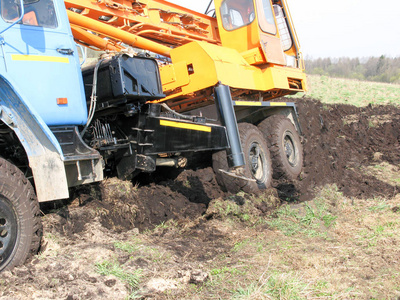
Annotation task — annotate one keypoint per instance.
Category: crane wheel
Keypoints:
(284, 145)
(258, 163)
(20, 225)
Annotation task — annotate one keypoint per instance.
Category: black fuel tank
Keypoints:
(124, 79)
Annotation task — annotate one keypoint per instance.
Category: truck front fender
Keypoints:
(42, 148)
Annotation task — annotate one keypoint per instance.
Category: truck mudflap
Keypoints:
(43, 151)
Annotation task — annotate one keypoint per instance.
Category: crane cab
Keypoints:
(261, 30)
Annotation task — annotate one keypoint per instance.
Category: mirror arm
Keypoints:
(83, 54)
(18, 20)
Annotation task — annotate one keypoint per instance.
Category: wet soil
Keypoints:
(341, 139)
(338, 140)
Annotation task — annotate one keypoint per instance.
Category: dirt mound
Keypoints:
(339, 142)
(186, 196)
(122, 205)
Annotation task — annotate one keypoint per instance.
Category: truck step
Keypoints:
(82, 164)
(72, 145)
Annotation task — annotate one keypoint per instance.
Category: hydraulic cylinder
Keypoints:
(228, 119)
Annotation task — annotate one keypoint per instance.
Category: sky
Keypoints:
(351, 28)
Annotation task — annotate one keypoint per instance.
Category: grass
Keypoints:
(330, 248)
(107, 268)
(129, 247)
(308, 218)
(137, 248)
(348, 91)
(274, 285)
(384, 171)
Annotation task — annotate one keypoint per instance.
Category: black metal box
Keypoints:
(124, 79)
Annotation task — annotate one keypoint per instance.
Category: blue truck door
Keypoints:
(40, 57)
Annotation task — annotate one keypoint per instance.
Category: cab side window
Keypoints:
(266, 16)
(283, 28)
(236, 13)
(37, 13)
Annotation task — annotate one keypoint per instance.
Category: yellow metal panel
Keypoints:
(173, 76)
(213, 64)
(40, 58)
(273, 49)
(248, 103)
(204, 72)
(254, 56)
(278, 104)
(185, 125)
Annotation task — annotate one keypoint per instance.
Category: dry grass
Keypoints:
(384, 171)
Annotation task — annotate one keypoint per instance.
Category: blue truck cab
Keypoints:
(40, 57)
(42, 97)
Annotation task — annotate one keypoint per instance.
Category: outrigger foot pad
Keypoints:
(234, 174)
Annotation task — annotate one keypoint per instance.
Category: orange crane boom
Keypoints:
(141, 24)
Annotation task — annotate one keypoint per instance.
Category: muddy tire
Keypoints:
(257, 159)
(284, 145)
(20, 224)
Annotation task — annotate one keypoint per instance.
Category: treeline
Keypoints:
(382, 69)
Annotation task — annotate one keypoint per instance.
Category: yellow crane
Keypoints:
(250, 46)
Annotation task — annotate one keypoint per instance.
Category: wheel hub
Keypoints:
(8, 226)
(256, 162)
(290, 150)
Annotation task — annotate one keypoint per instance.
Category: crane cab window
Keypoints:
(266, 16)
(37, 12)
(236, 13)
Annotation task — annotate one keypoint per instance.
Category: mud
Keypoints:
(339, 142)
(341, 139)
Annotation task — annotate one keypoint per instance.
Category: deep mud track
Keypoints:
(341, 143)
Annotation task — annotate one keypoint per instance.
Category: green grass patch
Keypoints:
(351, 91)
(107, 268)
(382, 205)
(137, 249)
(309, 218)
(275, 285)
(129, 247)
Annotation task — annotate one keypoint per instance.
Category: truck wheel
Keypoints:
(284, 145)
(20, 224)
(257, 159)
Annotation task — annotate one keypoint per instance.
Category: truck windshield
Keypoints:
(236, 13)
(40, 13)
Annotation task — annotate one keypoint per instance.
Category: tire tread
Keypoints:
(232, 184)
(23, 189)
(270, 128)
